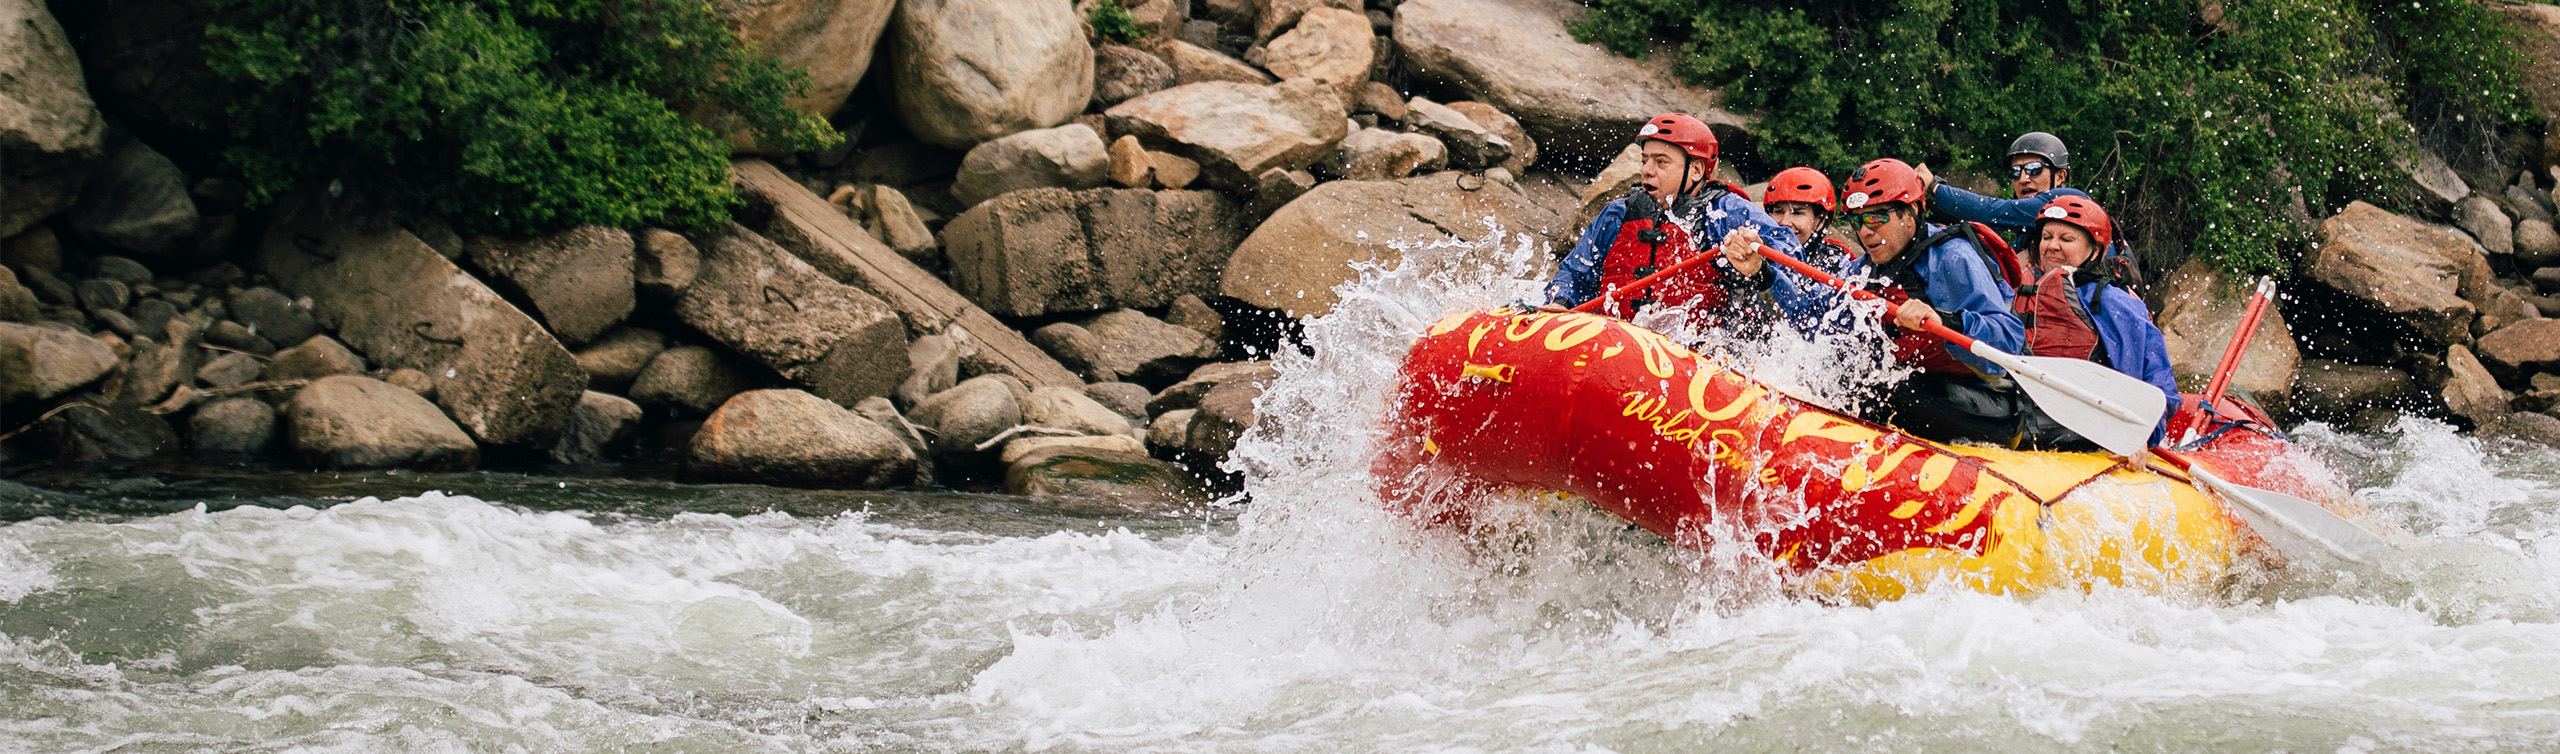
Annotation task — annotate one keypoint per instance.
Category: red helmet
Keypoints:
(1885, 180)
(2080, 212)
(1799, 185)
(1684, 131)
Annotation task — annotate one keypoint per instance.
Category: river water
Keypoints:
(223, 610)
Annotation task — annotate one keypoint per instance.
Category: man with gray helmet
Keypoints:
(2038, 166)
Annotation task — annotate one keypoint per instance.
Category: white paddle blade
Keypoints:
(2117, 411)
(2296, 526)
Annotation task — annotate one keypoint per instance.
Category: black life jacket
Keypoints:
(1903, 282)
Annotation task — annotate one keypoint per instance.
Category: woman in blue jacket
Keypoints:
(2076, 310)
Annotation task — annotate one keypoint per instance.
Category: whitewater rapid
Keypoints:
(519, 616)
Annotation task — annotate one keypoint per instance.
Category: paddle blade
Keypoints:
(2117, 411)
(2297, 527)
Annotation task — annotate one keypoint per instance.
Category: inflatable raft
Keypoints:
(1683, 445)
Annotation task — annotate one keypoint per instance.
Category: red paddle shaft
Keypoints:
(1647, 281)
(1807, 270)
(2239, 342)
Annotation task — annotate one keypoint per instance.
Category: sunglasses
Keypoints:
(1875, 219)
(2028, 168)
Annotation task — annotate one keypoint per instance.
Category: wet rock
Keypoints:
(1171, 429)
(50, 126)
(123, 270)
(2201, 308)
(234, 427)
(601, 425)
(966, 71)
(102, 431)
(1127, 399)
(1190, 311)
(101, 293)
(1071, 410)
(1295, 259)
(1237, 131)
(970, 413)
(353, 422)
(833, 41)
(1052, 251)
(1187, 393)
(498, 374)
(1144, 349)
(2431, 186)
(314, 358)
(2525, 427)
(233, 335)
(1194, 64)
(691, 378)
(794, 437)
(617, 358)
(230, 370)
(17, 303)
(765, 304)
(2518, 350)
(1524, 149)
(1120, 73)
(1471, 146)
(2471, 392)
(137, 201)
(1223, 416)
(2415, 272)
(50, 289)
(151, 315)
(664, 265)
(579, 281)
(2536, 244)
(2333, 391)
(38, 363)
(2484, 221)
(114, 321)
(1070, 156)
(934, 366)
(1373, 154)
(1015, 449)
(1280, 15)
(880, 411)
(1122, 478)
(1330, 46)
(1576, 99)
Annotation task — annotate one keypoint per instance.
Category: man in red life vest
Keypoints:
(2076, 310)
(1802, 199)
(1931, 274)
(1675, 202)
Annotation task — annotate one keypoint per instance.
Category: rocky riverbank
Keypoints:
(1049, 265)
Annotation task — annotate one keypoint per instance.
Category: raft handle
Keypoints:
(1502, 373)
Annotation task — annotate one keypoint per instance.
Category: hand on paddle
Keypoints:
(1915, 314)
(1742, 249)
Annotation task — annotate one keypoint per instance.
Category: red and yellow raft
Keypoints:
(1683, 445)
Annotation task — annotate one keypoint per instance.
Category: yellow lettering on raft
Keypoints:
(1936, 471)
(1726, 446)
(1982, 495)
(1450, 323)
(1741, 401)
(1526, 325)
(1577, 332)
(1430, 447)
(1612, 350)
(1810, 424)
(1908, 508)
(1858, 477)
(1477, 337)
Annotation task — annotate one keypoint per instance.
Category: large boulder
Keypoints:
(2335, 392)
(970, 413)
(2518, 350)
(1140, 348)
(664, 264)
(497, 373)
(1121, 478)
(272, 315)
(2417, 273)
(38, 363)
(578, 280)
(1069, 409)
(2470, 391)
(107, 431)
(1330, 46)
(352, 422)
(1296, 258)
(2200, 311)
(1237, 131)
(2538, 41)
(1053, 251)
(1578, 100)
(1222, 418)
(1377, 154)
(1193, 64)
(600, 425)
(49, 128)
(617, 358)
(2537, 244)
(1471, 146)
(137, 201)
(1123, 72)
(770, 306)
(831, 39)
(795, 438)
(1069, 156)
(235, 427)
(2484, 221)
(966, 71)
(690, 379)
(316, 357)
(1273, 16)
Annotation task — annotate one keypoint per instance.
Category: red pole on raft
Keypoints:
(1647, 281)
(1807, 270)
(2239, 342)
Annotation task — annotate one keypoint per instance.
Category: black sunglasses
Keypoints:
(2025, 169)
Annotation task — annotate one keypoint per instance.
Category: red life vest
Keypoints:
(1647, 242)
(1927, 352)
(2058, 322)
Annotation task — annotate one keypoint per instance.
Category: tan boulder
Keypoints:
(796, 438)
(1069, 156)
(2415, 272)
(38, 363)
(2538, 41)
(1053, 251)
(2518, 350)
(1296, 258)
(2470, 391)
(966, 71)
(1193, 64)
(1377, 154)
(1279, 15)
(1129, 165)
(353, 422)
(2200, 311)
(895, 222)
(831, 39)
(1471, 145)
(1173, 171)
(762, 302)
(49, 127)
(1123, 72)
(1524, 150)
(1330, 45)
(1237, 131)
(1577, 100)
(578, 280)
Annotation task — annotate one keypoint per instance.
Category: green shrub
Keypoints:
(515, 116)
(2196, 130)
(1114, 23)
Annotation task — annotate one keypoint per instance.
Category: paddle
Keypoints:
(2093, 400)
(2239, 341)
(1647, 281)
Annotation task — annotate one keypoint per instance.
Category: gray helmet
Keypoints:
(2043, 145)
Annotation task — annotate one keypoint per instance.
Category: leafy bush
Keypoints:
(1114, 23)
(502, 115)
(2195, 123)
